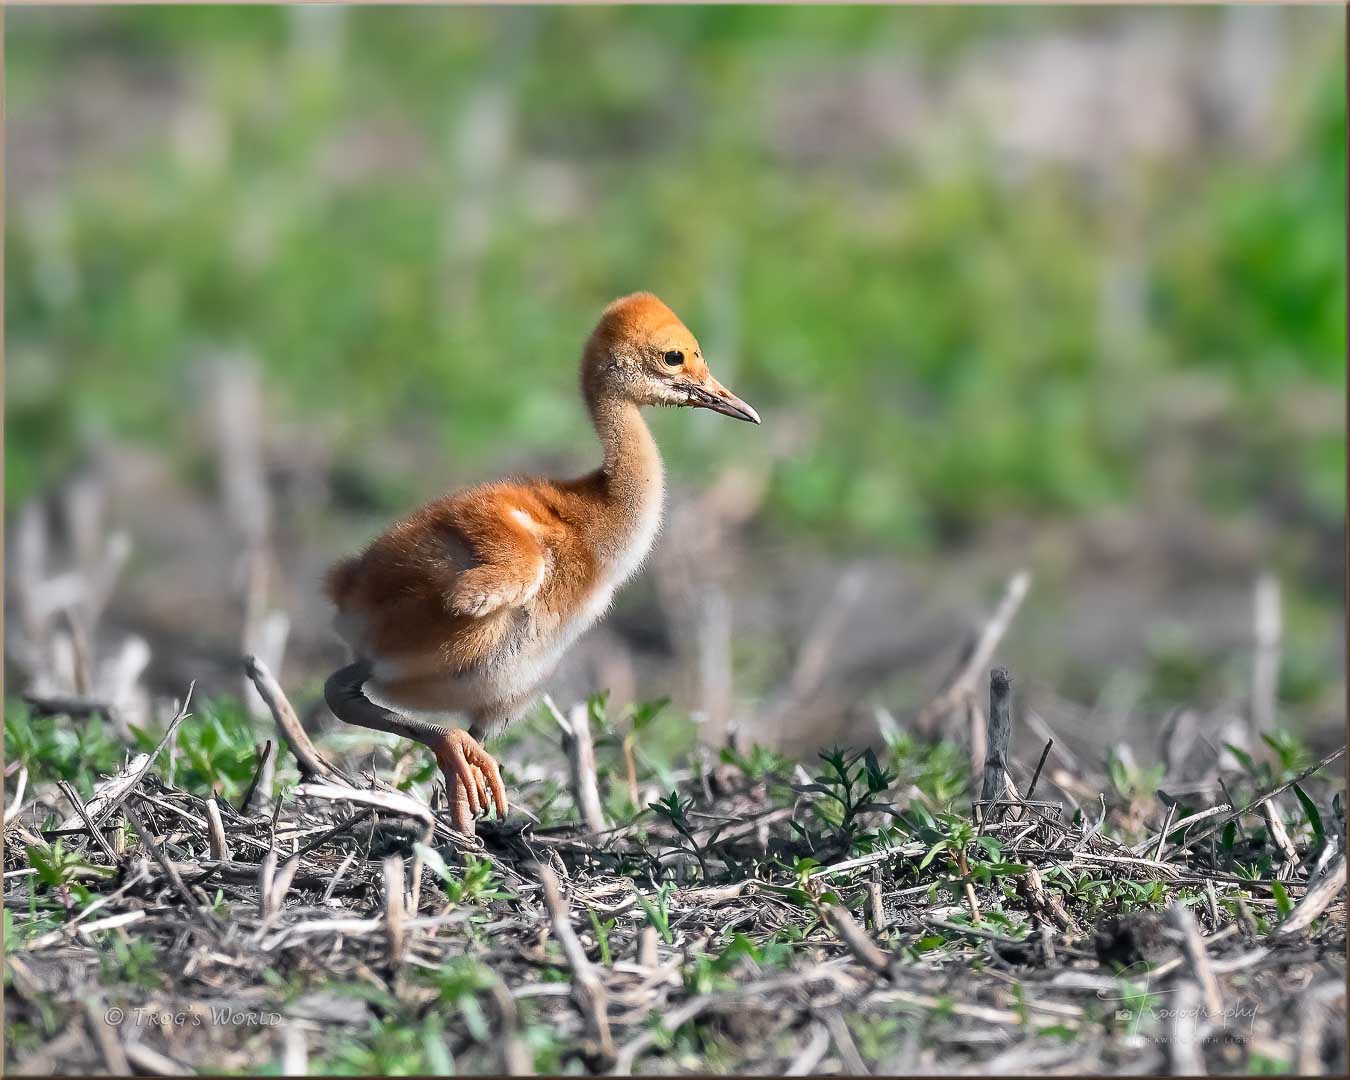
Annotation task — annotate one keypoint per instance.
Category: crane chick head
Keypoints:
(639, 351)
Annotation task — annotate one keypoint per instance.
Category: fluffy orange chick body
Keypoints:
(447, 632)
(467, 605)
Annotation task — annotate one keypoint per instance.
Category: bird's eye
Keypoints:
(674, 358)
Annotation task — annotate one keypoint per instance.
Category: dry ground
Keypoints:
(762, 918)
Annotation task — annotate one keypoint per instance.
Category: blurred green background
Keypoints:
(299, 182)
(973, 266)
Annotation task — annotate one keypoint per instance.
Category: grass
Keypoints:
(931, 293)
(667, 869)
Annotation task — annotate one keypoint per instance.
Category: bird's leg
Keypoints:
(473, 782)
(472, 778)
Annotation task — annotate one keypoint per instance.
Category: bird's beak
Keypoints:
(711, 394)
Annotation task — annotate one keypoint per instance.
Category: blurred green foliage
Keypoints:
(307, 186)
(214, 748)
(56, 749)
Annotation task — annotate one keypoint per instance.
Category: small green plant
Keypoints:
(1282, 902)
(392, 1047)
(957, 835)
(974, 859)
(673, 810)
(1289, 756)
(952, 843)
(61, 870)
(939, 771)
(1290, 751)
(1132, 782)
(640, 748)
(703, 975)
(215, 746)
(601, 930)
(878, 1037)
(130, 961)
(1259, 1064)
(476, 882)
(790, 934)
(550, 807)
(459, 982)
(658, 913)
(17, 933)
(47, 1021)
(757, 763)
(806, 891)
(1135, 1003)
(640, 717)
(544, 1039)
(1313, 815)
(711, 972)
(1099, 894)
(847, 791)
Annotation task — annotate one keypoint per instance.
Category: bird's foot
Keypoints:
(472, 779)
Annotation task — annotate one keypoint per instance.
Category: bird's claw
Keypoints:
(473, 781)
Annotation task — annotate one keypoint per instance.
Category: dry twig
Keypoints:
(312, 763)
(864, 949)
(1179, 917)
(1257, 802)
(962, 686)
(580, 752)
(590, 990)
(1319, 896)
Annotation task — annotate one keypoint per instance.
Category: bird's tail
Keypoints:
(340, 580)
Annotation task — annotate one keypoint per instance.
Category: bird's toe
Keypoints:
(460, 810)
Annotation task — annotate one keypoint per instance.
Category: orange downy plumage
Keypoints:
(467, 605)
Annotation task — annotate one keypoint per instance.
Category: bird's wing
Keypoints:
(512, 561)
(490, 587)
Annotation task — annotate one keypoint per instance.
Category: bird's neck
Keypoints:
(633, 480)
